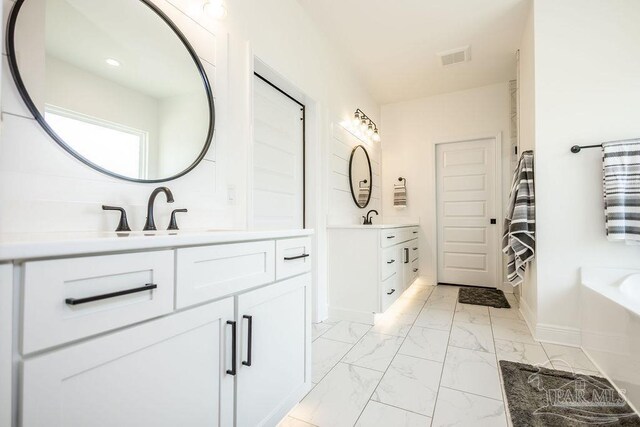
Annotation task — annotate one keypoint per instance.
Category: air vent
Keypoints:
(455, 56)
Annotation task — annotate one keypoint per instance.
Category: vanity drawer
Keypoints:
(293, 257)
(414, 250)
(69, 299)
(390, 261)
(389, 292)
(210, 272)
(415, 269)
(390, 237)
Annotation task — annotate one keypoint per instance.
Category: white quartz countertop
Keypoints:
(20, 246)
(375, 226)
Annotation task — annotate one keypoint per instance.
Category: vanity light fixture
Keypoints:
(215, 9)
(112, 62)
(362, 127)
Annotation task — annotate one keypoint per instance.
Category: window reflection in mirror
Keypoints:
(115, 83)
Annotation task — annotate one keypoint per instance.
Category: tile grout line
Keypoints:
(390, 363)
(446, 353)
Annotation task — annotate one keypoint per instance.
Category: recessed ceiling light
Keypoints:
(112, 62)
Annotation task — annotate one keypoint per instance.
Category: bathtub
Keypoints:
(610, 325)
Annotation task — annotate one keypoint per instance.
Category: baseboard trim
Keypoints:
(351, 315)
(554, 334)
(506, 287)
(529, 316)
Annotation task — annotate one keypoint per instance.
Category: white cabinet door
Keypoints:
(274, 373)
(167, 372)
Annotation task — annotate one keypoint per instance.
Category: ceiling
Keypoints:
(393, 44)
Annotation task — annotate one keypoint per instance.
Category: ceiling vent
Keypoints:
(455, 56)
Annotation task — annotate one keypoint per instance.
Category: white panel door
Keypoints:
(278, 172)
(466, 194)
(168, 372)
(274, 342)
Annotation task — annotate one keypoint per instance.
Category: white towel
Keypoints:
(621, 184)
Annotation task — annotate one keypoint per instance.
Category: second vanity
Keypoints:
(370, 266)
(156, 329)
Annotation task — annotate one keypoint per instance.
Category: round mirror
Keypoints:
(115, 83)
(360, 176)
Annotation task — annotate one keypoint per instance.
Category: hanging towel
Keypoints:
(400, 194)
(621, 176)
(518, 240)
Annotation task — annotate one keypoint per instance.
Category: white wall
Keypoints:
(587, 87)
(37, 176)
(528, 295)
(410, 131)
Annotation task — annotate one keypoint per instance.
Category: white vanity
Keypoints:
(370, 266)
(193, 329)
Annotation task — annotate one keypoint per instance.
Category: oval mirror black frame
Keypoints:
(353, 195)
(15, 73)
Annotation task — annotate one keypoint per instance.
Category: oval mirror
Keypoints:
(115, 83)
(360, 176)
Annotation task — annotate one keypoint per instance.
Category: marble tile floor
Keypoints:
(428, 361)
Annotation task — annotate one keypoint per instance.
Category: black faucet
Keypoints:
(367, 219)
(151, 224)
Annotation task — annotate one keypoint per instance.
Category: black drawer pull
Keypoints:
(391, 262)
(406, 255)
(249, 339)
(415, 270)
(415, 232)
(392, 291)
(415, 249)
(76, 301)
(232, 371)
(391, 237)
(291, 258)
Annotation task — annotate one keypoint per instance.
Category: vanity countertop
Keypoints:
(21, 246)
(373, 226)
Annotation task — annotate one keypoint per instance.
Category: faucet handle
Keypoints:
(173, 224)
(123, 225)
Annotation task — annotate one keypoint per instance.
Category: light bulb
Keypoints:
(356, 119)
(376, 136)
(215, 9)
(370, 130)
(363, 125)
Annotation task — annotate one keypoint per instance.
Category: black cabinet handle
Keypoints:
(392, 291)
(415, 270)
(391, 262)
(232, 371)
(76, 301)
(249, 339)
(291, 258)
(415, 249)
(415, 232)
(406, 255)
(391, 237)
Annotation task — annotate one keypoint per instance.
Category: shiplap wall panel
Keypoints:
(342, 209)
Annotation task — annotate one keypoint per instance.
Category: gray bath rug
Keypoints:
(541, 397)
(483, 296)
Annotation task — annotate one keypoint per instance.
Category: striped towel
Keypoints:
(363, 195)
(400, 195)
(518, 240)
(621, 176)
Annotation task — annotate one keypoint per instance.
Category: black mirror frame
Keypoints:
(15, 73)
(353, 195)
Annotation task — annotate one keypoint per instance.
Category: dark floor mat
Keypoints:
(483, 296)
(541, 397)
